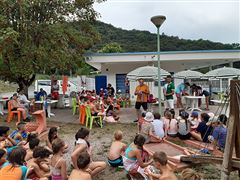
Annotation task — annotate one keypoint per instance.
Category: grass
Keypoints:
(6, 87)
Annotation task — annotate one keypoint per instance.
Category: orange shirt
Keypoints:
(142, 97)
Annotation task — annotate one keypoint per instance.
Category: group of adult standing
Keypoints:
(142, 92)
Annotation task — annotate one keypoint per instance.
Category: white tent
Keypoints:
(148, 73)
(188, 74)
(224, 72)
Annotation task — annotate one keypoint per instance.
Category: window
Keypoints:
(44, 83)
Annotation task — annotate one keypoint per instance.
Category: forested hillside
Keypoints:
(144, 41)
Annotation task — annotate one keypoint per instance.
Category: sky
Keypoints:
(215, 20)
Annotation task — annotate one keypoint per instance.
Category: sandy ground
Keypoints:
(100, 140)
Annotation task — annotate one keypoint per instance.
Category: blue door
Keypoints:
(100, 82)
(120, 83)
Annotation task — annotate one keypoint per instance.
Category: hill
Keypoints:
(144, 41)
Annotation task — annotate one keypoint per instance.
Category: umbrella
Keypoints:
(188, 74)
(224, 72)
(149, 73)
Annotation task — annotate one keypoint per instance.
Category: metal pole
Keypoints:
(159, 74)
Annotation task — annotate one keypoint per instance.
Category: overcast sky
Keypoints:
(216, 20)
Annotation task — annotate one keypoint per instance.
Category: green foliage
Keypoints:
(144, 41)
(39, 36)
(111, 48)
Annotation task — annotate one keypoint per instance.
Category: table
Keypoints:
(2, 106)
(49, 102)
(194, 102)
(225, 107)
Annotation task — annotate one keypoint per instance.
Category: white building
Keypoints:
(115, 66)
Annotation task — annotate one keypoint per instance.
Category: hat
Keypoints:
(211, 114)
(149, 117)
(194, 114)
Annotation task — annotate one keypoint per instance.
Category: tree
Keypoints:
(111, 48)
(41, 35)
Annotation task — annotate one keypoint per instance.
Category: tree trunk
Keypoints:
(24, 84)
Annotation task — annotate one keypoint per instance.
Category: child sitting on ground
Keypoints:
(116, 150)
(6, 142)
(82, 145)
(58, 164)
(32, 144)
(173, 125)
(111, 115)
(140, 121)
(3, 155)
(30, 136)
(203, 130)
(83, 171)
(52, 135)
(184, 126)
(167, 120)
(160, 161)
(20, 133)
(194, 120)
(39, 164)
(219, 134)
(158, 125)
(148, 129)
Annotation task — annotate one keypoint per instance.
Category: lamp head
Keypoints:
(158, 20)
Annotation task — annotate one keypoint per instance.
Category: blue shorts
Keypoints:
(116, 162)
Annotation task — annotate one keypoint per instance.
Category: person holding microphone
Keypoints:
(142, 92)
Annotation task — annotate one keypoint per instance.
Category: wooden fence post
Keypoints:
(233, 123)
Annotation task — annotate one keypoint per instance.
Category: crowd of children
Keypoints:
(204, 127)
(23, 157)
(103, 105)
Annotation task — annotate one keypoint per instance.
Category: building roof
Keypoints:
(162, 52)
(170, 60)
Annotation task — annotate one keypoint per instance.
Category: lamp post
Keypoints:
(157, 21)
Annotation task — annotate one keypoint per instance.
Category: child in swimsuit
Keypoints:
(160, 162)
(20, 133)
(116, 149)
(83, 171)
(82, 145)
(6, 142)
(134, 155)
(14, 168)
(32, 144)
(58, 164)
(39, 164)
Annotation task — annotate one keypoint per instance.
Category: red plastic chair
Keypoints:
(11, 114)
(82, 114)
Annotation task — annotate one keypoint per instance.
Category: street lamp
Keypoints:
(157, 21)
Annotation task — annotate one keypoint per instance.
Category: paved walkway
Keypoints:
(127, 115)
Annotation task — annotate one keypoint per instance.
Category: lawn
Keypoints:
(6, 87)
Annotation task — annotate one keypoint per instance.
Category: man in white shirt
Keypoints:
(23, 99)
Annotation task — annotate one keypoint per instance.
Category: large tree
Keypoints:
(41, 36)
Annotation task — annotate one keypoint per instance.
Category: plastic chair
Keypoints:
(82, 114)
(90, 118)
(41, 121)
(11, 114)
(74, 105)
